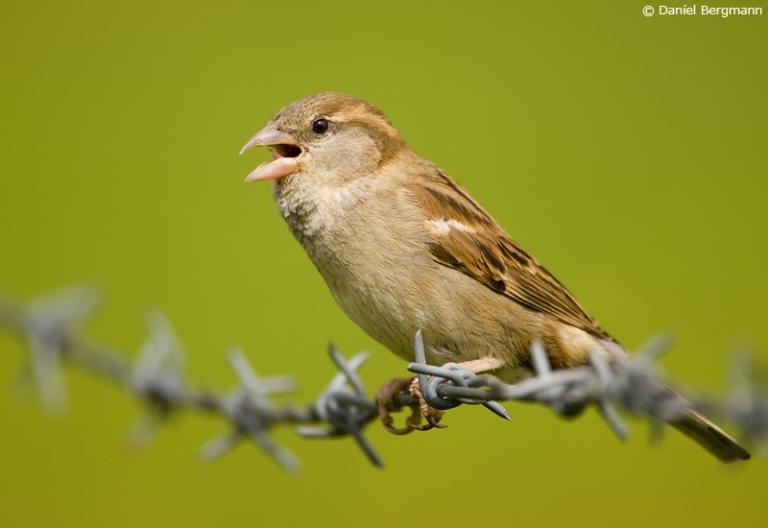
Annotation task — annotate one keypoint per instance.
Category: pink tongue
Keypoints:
(275, 154)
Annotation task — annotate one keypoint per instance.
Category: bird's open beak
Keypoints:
(285, 154)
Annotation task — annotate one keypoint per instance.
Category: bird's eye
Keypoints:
(320, 126)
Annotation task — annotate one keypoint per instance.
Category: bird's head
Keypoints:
(329, 135)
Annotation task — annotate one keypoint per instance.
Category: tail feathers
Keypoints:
(692, 424)
(710, 437)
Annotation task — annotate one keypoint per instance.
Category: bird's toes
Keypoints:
(430, 414)
(385, 402)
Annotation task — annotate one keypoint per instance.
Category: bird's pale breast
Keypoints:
(372, 254)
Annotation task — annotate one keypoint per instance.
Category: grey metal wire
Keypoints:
(51, 328)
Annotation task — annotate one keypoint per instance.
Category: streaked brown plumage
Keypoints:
(404, 247)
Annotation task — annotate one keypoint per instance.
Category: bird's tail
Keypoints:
(692, 424)
(709, 436)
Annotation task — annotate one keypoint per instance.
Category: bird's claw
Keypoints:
(430, 414)
(385, 401)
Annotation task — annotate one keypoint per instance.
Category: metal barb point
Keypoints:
(433, 381)
(50, 322)
(344, 406)
(497, 409)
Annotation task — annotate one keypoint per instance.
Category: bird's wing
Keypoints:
(466, 238)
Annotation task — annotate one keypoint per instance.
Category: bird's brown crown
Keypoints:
(342, 110)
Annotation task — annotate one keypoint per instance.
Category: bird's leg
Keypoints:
(485, 364)
(385, 401)
(430, 414)
(475, 366)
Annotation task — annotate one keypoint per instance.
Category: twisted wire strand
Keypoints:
(51, 325)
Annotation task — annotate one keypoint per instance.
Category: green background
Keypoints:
(627, 153)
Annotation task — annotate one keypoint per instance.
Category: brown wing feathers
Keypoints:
(478, 247)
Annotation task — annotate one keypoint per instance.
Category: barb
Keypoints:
(50, 327)
(635, 386)
(157, 378)
(344, 407)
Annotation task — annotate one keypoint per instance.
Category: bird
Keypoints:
(403, 248)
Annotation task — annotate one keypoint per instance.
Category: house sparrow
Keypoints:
(403, 247)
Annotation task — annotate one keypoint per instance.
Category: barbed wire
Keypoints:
(51, 327)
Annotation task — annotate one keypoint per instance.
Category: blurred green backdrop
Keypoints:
(627, 153)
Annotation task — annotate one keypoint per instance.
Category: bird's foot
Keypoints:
(385, 401)
(430, 414)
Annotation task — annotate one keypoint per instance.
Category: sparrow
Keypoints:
(403, 247)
